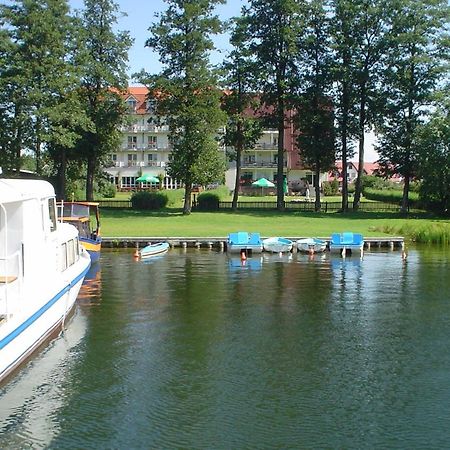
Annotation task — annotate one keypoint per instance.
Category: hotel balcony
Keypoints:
(139, 164)
(261, 164)
(158, 147)
(144, 128)
(266, 146)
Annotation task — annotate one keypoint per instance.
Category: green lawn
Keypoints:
(172, 223)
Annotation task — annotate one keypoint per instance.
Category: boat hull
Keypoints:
(26, 332)
(93, 247)
(239, 248)
(311, 245)
(154, 249)
(277, 245)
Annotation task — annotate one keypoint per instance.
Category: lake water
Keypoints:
(195, 350)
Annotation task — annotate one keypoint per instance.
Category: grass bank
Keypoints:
(172, 223)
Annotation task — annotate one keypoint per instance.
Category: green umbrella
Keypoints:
(263, 182)
(148, 179)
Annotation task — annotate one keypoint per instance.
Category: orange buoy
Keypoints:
(136, 254)
(243, 256)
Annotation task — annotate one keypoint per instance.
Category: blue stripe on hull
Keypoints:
(21, 328)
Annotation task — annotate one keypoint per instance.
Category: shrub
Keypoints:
(208, 201)
(351, 188)
(108, 190)
(390, 196)
(330, 188)
(149, 200)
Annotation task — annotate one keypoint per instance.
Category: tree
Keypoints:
(370, 38)
(434, 160)
(344, 48)
(272, 30)
(415, 65)
(103, 57)
(315, 118)
(186, 89)
(37, 76)
(243, 129)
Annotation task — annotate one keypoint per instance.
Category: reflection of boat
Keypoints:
(78, 214)
(42, 267)
(92, 284)
(277, 245)
(346, 243)
(311, 245)
(154, 249)
(243, 242)
(249, 263)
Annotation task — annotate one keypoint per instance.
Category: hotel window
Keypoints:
(131, 105)
(132, 141)
(152, 157)
(249, 159)
(132, 159)
(152, 141)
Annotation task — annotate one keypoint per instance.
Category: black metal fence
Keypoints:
(304, 206)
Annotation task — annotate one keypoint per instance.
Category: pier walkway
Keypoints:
(392, 243)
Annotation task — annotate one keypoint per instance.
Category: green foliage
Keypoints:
(108, 191)
(208, 201)
(190, 103)
(376, 183)
(149, 200)
(330, 188)
(390, 196)
(428, 233)
(103, 57)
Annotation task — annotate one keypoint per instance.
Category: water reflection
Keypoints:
(198, 350)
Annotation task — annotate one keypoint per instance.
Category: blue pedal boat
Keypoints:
(244, 242)
(346, 242)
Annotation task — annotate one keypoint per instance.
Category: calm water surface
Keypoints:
(194, 350)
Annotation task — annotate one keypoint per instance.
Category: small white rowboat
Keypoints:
(154, 249)
(277, 245)
(311, 245)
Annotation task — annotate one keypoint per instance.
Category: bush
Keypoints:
(390, 196)
(208, 201)
(330, 188)
(149, 200)
(108, 190)
(377, 183)
(351, 188)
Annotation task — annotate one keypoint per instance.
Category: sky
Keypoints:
(140, 14)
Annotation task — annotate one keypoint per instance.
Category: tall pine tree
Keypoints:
(103, 57)
(188, 98)
(272, 30)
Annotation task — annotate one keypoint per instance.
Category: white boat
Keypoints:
(154, 249)
(42, 267)
(277, 245)
(311, 245)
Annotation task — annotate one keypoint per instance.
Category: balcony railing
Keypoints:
(139, 164)
(144, 128)
(256, 164)
(158, 147)
(265, 146)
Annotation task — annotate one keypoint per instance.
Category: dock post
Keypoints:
(184, 244)
(368, 245)
(210, 245)
(391, 245)
(197, 245)
(222, 246)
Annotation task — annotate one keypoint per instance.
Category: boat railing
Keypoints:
(11, 279)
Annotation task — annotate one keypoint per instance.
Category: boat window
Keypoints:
(52, 213)
(77, 249)
(70, 252)
(63, 258)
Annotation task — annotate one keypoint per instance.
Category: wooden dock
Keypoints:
(394, 242)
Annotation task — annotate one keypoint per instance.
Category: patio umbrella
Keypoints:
(148, 179)
(262, 183)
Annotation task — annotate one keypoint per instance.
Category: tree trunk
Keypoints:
(362, 123)
(405, 199)
(317, 204)
(61, 176)
(90, 179)
(238, 166)
(280, 162)
(187, 198)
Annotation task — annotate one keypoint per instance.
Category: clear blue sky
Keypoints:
(140, 14)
